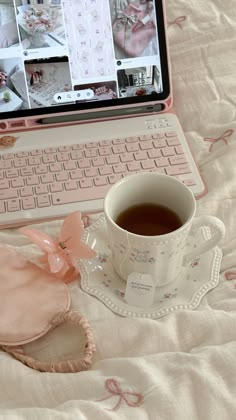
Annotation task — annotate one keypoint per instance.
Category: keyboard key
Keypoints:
(86, 183)
(161, 162)
(145, 137)
(41, 169)
(100, 180)
(114, 178)
(132, 139)
(22, 154)
(34, 160)
(104, 143)
(71, 185)
(64, 148)
(33, 180)
(120, 148)
(179, 150)
(13, 205)
(43, 201)
(168, 151)
(5, 164)
(47, 178)
(17, 182)
(171, 134)
(159, 143)
(41, 189)
(156, 153)
(68, 166)
(50, 150)
(99, 161)
(91, 172)
(134, 166)
(113, 159)
(48, 158)
(19, 162)
(26, 191)
(118, 141)
(36, 152)
(67, 197)
(126, 157)
(140, 155)
(12, 173)
(8, 156)
(90, 145)
(56, 187)
(178, 170)
(173, 141)
(190, 182)
(105, 151)
(78, 146)
(27, 171)
(76, 154)
(158, 136)
(120, 168)
(177, 160)
(76, 174)
(62, 176)
(106, 170)
(148, 164)
(56, 167)
(133, 147)
(63, 156)
(159, 170)
(4, 184)
(84, 163)
(28, 203)
(146, 145)
(8, 194)
(91, 153)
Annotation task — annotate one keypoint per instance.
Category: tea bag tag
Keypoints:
(139, 290)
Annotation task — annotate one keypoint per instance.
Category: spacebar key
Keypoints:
(74, 196)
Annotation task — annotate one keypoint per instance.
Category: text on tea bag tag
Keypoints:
(139, 290)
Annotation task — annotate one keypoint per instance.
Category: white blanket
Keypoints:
(182, 366)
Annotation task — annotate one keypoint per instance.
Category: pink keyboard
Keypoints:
(48, 177)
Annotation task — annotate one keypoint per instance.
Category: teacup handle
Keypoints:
(217, 229)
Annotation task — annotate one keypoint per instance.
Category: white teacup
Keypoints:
(161, 256)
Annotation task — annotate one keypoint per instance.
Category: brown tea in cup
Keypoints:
(149, 219)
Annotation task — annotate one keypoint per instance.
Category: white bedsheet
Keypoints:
(182, 366)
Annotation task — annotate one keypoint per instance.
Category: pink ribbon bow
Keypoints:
(178, 21)
(224, 136)
(114, 389)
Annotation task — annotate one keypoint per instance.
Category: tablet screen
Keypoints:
(59, 55)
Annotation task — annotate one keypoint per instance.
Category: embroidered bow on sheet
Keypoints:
(177, 21)
(132, 399)
(224, 137)
(62, 254)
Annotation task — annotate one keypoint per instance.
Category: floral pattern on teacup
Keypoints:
(142, 256)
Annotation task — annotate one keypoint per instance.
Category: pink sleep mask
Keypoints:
(33, 302)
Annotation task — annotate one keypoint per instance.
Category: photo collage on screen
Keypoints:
(55, 52)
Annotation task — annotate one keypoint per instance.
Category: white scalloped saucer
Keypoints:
(99, 279)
